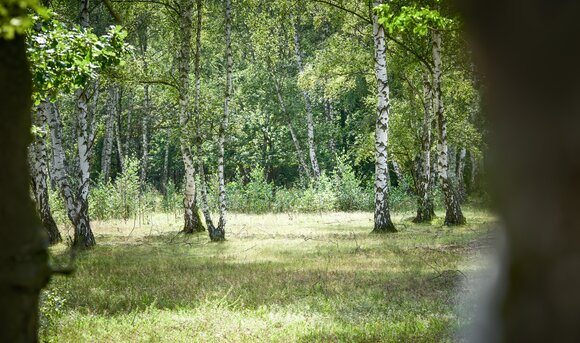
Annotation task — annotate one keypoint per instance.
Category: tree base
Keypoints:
(195, 224)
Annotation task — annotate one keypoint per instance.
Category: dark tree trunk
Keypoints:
(23, 242)
(535, 162)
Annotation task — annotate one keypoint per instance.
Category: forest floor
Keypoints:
(278, 277)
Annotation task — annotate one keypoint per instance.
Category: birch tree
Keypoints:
(71, 74)
(383, 222)
(112, 101)
(38, 160)
(192, 220)
(425, 203)
(308, 105)
(453, 213)
(219, 233)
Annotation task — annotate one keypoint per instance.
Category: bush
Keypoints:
(123, 199)
(52, 304)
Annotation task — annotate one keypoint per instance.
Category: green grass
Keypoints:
(279, 278)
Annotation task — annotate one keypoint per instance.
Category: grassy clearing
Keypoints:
(279, 277)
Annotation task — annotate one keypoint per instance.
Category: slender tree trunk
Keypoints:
(329, 111)
(309, 116)
(39, 170)
(120, 152)
(219, 234)
(453, 214)
(459, 175)
(383, 221)
(424, 201)
(109, 133)
(23, 243)
(401, 182)
(198, 139)
(83, 237)
(165, 173)
(144, 139)
(93, 115)
(301, 162)
(267, 147)
(474, 170)
(192, 222)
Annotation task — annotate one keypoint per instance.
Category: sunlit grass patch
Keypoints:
(279, 277)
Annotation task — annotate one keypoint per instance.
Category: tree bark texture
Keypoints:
(192, 220)
(23, 242)
(383, 222)
(109, 134)
(38, 160)
(308, 104)
(453, 213)
(424, 201)
(299, 154)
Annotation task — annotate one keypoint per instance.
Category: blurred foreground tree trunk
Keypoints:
(528, 52)
(23, 242)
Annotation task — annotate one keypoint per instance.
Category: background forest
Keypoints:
(288, 131)
(274, 101)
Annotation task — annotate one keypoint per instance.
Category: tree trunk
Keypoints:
(192, 222)
(459, 174)
(109, 133)
(424, 201)
(23, 243)
(120, 152)
(303, 167)
(383, 221)
(144, 141)
(198, 139)
(219, 234)
(453, 214)
(309, 117)
(83, 237)
(535, 112)
(329, 111)
(39, 170)
(165, 173)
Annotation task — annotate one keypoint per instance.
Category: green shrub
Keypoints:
(52, 303)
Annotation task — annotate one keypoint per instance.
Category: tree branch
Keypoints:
(367, 20)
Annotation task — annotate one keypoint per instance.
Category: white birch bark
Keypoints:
(309, 116)
(219, 234)
(382, 215)
(303, 167)
(192, 221)
(144, 136)
(38, 160)
(198, 138)
(453, 213)
(425, 203)
(83, 237)
(329, 111)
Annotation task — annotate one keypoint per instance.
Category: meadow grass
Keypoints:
(278, 278)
